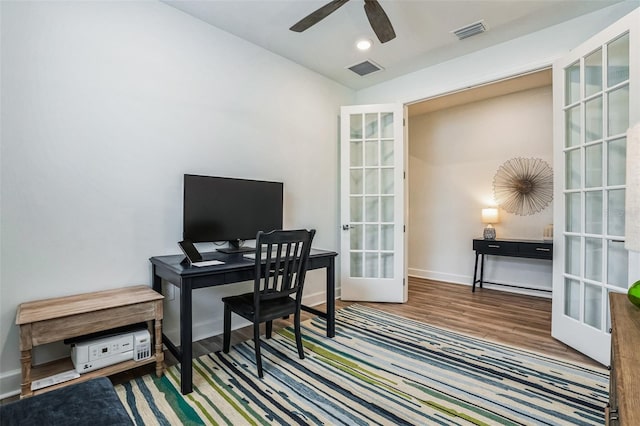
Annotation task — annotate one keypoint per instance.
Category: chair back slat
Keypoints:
(283, 270)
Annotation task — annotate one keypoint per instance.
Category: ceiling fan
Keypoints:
(377, 18)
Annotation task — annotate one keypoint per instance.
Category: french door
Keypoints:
(372, 203)
(596, 97)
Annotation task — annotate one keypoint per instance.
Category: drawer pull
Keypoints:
(493, 246)
(542, 249)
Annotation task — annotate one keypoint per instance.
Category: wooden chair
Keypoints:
(280, 269)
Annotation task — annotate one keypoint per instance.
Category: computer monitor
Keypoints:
(227, 209)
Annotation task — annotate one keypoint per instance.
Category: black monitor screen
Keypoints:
(226, 209)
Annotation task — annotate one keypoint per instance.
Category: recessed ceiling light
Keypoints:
(363, 44)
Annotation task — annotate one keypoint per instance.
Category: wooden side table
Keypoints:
(53, 320)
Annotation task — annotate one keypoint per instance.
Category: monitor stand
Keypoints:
(234, 247)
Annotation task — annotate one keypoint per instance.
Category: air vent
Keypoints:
(365, 68)
(470, 30)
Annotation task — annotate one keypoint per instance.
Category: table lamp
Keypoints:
(490, 216)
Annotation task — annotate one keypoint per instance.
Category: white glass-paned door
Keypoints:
(372, 203)
(593, 108)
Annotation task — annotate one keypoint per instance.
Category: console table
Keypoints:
(530, 249)
(236, 268)
(53, 320)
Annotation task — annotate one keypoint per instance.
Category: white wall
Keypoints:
(453, 157)
(105, 105)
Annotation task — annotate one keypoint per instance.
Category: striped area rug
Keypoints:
(379, 369)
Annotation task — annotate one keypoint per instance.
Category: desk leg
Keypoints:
(186, 368)
(475, 274)
(331, 298)
(157, 281)
(481, 269)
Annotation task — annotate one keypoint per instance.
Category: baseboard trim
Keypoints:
(10, 383)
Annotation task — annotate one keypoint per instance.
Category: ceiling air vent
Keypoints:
(470, 30)
(364, 68)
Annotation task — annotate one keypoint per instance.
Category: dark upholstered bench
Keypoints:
(93, 403)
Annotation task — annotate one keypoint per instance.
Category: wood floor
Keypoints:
(512, 319)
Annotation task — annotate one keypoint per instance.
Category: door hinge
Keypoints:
(404, 122)
(404, 228)
(404, 282)
(404, 175)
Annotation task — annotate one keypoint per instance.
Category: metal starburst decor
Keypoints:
(523, 186)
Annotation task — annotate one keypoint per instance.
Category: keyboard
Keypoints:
(207, 263)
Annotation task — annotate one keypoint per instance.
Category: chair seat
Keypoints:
(242, 304)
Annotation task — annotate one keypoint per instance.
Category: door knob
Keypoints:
(345, 227)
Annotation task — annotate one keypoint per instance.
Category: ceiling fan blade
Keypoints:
(379, 21)
(317, 16)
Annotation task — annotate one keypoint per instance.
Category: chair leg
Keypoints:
(269, 329)
(226, 340)
(256, 341)
(296, 325)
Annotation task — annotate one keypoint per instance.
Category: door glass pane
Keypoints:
(386, 124)
(386, 237)
(572, 179)
(355, 186)
(355, 234)
(618, 116)
(593, 119)
(387, 208)
(617, 161)
(573, 211)
(572, 255)
(593, 165)
(618, 61)
(572, 298)
(371, 209)
(615, 216)
(371, 265)
(371, 153)
(386, 265)
(386, 153)
(371, 125)
(593, 212)
(371, 237)
(356, 209)
(371, 181)
(572, 137)
(593, 73)
(355, 264)
(355, 156)
(593, 259)
(355, 126)
(386, 181)
(593, 305)
(572, 83)
(617, 261)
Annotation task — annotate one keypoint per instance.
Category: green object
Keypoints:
(634, 293)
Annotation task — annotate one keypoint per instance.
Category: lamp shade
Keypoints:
(490, 215)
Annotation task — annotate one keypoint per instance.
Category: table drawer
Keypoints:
(495, 247)
(541, 250)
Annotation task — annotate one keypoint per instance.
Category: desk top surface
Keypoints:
(233, 261)
(515, 240)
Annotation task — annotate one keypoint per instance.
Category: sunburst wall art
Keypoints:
(523, 186)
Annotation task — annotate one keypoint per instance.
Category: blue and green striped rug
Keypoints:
(379, 369)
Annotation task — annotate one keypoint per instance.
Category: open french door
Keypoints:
(372, 200)
(596, 97)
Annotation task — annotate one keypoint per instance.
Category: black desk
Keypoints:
(236, 269)
(530, 249)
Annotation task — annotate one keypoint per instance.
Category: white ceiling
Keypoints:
(423, 29)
